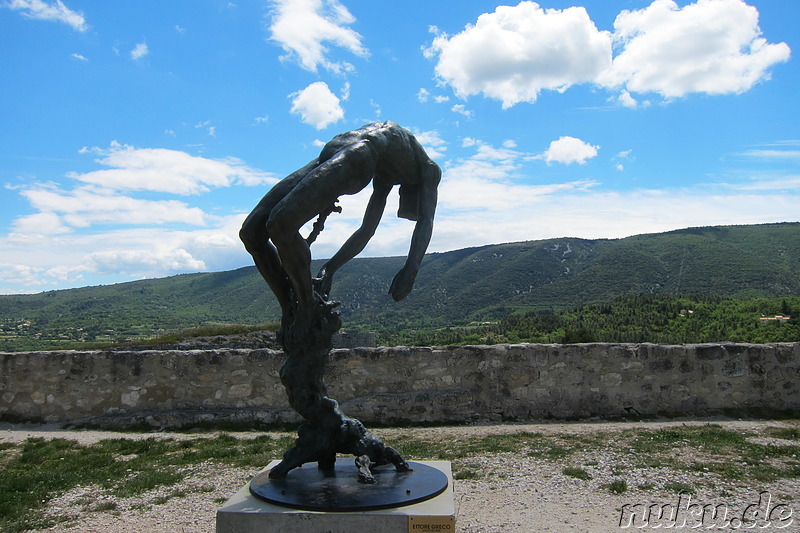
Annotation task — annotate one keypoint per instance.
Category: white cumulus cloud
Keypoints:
(432, 142)
(461, 109)
(303, 27)
(317, 105)
(53, 11)
(568, 150)
(86, 206)
(170, 171)
(102, 226)
(482, 198)
(139, 51)
(37, 224)
(626, 100)
(516, 52)
(710, 46)
(143, 260)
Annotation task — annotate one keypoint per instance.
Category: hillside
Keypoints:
(458, 287)
(490, 282)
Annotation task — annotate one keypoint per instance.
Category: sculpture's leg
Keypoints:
(295, 256)
(346, 172)
(312, 444)
(292, 458)
(265, 256)
(255, 237)
(400, 465)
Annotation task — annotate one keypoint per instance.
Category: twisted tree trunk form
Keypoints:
(326, 430)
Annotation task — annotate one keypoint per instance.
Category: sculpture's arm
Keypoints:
(403, 282)
(359, 239)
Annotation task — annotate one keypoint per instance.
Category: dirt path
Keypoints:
(19, 432)
(510, 492)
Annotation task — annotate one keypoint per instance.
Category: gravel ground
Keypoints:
(514, 492)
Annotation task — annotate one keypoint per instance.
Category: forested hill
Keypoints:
(458, 287)
(489, 282)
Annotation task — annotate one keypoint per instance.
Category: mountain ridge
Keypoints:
(461, 286)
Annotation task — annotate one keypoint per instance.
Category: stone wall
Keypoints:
(468, 383)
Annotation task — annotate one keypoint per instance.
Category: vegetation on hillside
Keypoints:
(642, 318)
(132, 311)
(453, 290)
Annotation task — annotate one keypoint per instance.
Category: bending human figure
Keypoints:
(382, 153)
(385, 155)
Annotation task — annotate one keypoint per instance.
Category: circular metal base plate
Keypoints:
(338, 489)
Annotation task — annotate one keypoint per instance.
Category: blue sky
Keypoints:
(137, 135)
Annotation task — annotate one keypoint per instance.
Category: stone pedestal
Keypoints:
(244, 513)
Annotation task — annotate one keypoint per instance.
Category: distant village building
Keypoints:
(777, 318)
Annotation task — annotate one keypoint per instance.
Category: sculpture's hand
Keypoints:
(403, 282)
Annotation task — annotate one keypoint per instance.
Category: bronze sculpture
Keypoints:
(385, 155)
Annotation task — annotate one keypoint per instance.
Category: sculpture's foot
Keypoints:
(280, 470)
(313, 444)
(400, 464)
(298, 456)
